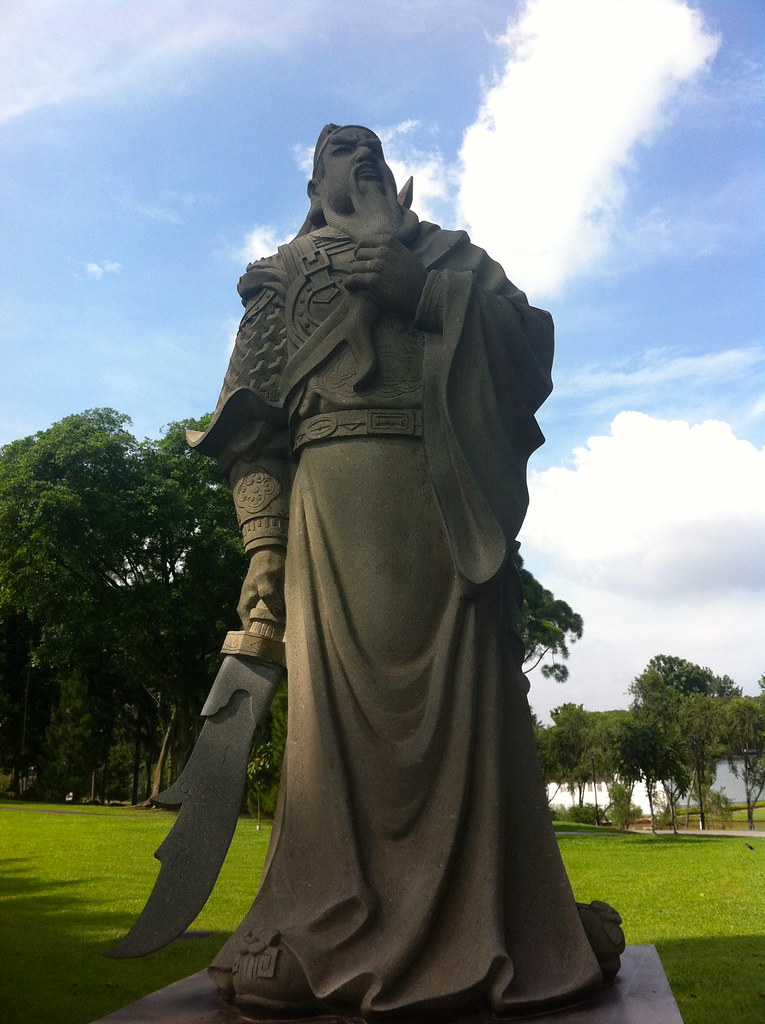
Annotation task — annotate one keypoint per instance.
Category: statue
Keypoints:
(375, 423)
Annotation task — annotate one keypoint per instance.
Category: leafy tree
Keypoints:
(607, 727)
(744, 729)
(125, 558)
(645, 752)
(571, 744)
(683, 700)
(621, 810)
(675, 785)
(701, 724)
(687, 678)
(27, 694)
(717, 806)
(549, 626)
(73, 758)
(580, 747)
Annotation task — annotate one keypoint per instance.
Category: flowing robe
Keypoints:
(412, 866)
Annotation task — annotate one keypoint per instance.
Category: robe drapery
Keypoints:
(412, 866)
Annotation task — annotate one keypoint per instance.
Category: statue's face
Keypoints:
(352, 161)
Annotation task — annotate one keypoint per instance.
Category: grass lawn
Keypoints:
(73, 881)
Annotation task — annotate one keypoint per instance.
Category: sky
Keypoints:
(609, 153)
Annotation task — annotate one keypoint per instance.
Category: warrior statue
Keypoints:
(375, 424)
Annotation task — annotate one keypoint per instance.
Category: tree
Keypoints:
(571, 744)
(701, 723)
(645, 752)
(687, 678)
(621, 810)
(125, 559)
(549, 626)
(684, 700)
(744, 729)
(27, 693)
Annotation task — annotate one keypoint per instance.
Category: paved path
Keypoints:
(727, 832)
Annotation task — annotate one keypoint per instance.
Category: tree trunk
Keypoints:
(136, 757)
(672, 799)
(104, 775)
(157, 785)
(688, 804)
(702, 812)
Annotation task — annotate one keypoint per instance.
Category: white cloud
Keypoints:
(658, 507)
(53, 52)
(582, 85)
(654, 369)
(657, 538)
(97, 270)
(263, 240)
(435, 181)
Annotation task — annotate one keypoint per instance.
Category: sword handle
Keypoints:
(264, 639)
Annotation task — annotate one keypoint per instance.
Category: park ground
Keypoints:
(74, 879)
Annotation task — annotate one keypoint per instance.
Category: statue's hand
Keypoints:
(264, 582)
(389, 272)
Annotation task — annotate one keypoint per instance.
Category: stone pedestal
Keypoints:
(640, 995)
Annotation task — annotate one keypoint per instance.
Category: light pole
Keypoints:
(595, 790)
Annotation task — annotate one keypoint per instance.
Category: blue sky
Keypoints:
(608, 152)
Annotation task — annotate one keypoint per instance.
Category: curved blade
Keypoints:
(209, 791)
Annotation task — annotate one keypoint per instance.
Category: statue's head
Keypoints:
(349, 170)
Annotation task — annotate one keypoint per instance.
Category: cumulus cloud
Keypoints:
(97, 270)
(656, 537)
(656, 508)
(582, 85)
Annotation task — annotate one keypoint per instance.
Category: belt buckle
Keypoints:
(390, 421)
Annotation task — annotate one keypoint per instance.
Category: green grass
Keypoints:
(73, 881)
(699, 899)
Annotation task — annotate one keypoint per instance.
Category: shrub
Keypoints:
(584, 815)
(621, 811)
(718, 807)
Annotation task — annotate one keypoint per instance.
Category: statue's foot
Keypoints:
(265, 980)
(602, 926)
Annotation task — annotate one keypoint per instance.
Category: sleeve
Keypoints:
(487, 369)
(248, 434)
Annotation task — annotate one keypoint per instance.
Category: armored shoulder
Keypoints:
(260, 349)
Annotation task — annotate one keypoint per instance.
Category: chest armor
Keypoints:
(349, 348)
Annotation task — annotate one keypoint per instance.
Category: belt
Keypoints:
(358, 423)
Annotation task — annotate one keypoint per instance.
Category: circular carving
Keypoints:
(256, 490)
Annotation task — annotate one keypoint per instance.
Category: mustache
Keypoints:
(368, 164)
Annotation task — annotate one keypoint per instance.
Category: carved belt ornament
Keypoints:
(358, 423)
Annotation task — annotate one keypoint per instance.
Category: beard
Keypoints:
(371, 211)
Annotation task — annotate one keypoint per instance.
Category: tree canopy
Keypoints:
(121, 559)
(549, 627)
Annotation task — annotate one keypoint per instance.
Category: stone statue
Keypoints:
(375, 424)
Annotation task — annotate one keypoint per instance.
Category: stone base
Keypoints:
(640, 995)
